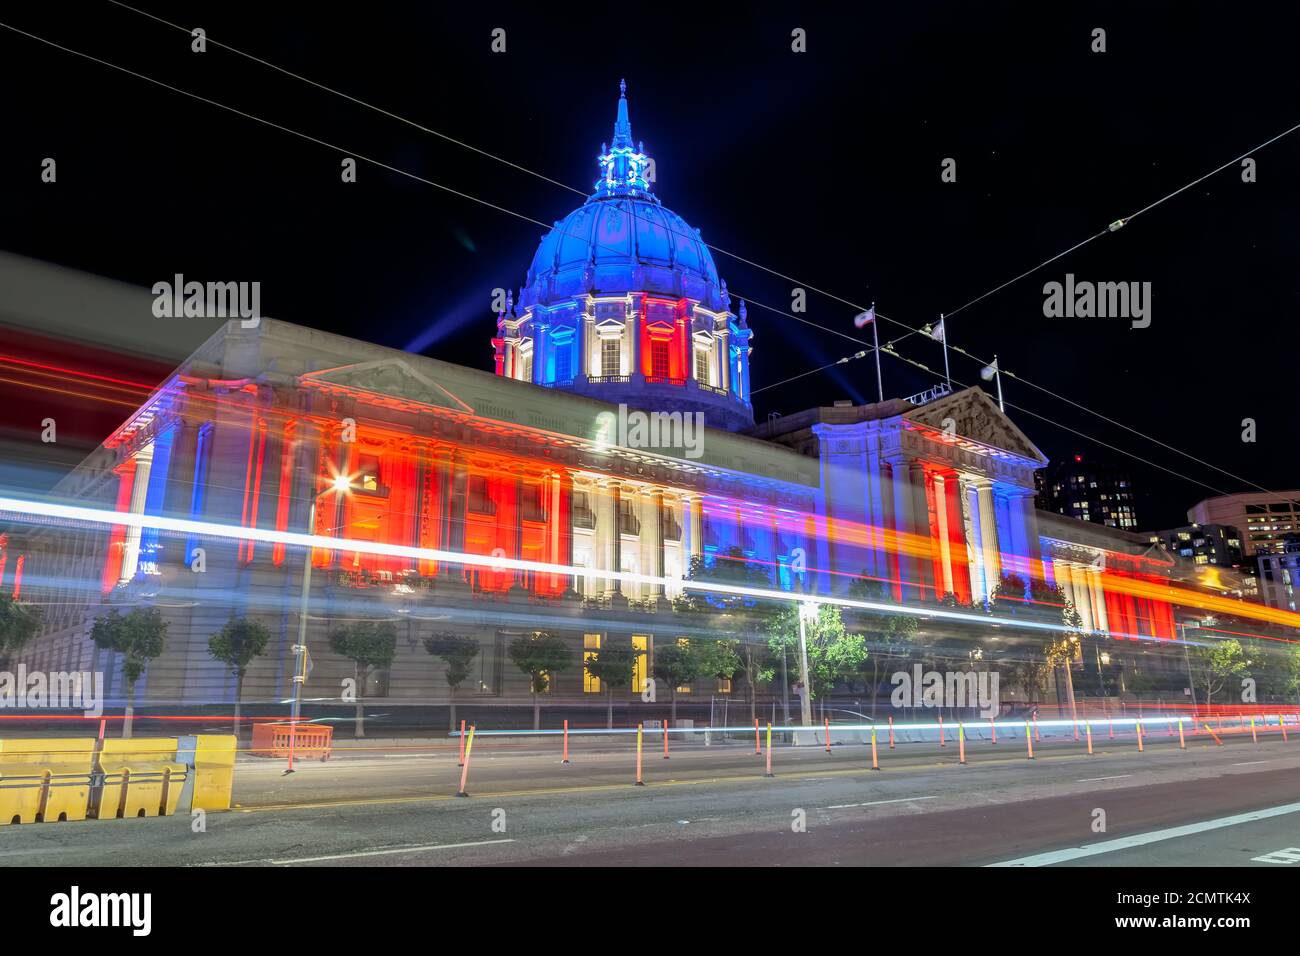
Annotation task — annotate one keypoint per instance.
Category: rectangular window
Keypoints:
(491, 665)
(367, 478)
(684, 642)
(659, 359)
(590, 646)
(702, 366)
(480, 500)
(610, 357)
(640, 662)
(564, 364)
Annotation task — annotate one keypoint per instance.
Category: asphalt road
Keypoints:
(714, 807)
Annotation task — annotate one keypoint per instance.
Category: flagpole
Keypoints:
(946, 377)
(997, 374)
(875, 338)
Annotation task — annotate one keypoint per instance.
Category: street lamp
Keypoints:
(807, 611)
(1187, 659)
(340, 483)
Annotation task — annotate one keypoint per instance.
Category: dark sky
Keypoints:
(824, 166)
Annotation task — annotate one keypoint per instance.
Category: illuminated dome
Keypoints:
(623, 302)
(623, 239)
(620, 243)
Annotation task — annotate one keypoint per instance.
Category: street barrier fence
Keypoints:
(47, 780)
(272, 739)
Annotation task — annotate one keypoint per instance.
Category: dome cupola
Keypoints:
(623, 302)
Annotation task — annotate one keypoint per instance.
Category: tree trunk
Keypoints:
(537, 711)
(239, 693)
(452, 720)
(875, 685)
(609, 707)
(130, 711)
(361, 712)
(674, 706)
(750, 672)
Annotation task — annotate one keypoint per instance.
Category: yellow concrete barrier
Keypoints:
(141, 778)
(214, 771)
(45, 779)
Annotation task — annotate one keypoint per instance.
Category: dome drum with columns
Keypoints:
(623, 303)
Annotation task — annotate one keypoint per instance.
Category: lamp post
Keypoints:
(340, 484)
(1187, 659)
(807, 611)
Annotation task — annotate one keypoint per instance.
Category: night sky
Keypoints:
(824, 166)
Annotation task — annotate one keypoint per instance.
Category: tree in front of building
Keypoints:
(541, 655)
(19, 623)
(834, 653)
(614, 665)
(371, 646)
(676, 665)
(735, 618)
(139, 636)
(721, 659)
(235, 645)
(1057, 650)
(457, 652)
(1219, 661)
(893, 636)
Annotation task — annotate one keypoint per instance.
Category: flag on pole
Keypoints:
(936, 331)
(988, 371)
(861, 320)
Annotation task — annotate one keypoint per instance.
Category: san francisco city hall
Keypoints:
(622, 305)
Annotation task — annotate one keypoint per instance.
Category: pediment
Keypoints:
(391, 378)
(977, 418)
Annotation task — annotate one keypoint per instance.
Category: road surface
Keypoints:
(714, 806)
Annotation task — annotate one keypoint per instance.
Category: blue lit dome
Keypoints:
(623, 239)
(617, 244)
(623, 303)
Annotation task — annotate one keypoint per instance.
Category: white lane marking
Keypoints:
(1249, 763)
(385, 852)
(1287, 855)
(1118, 776)
(405, 849)
(875, 803)
(1155, 836)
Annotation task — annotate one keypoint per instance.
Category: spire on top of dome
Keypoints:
(624, 165)
(622, 125)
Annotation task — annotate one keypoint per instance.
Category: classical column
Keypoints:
(723, 339)
(139, 489)
(614, 561)
(590, 346)
(1082, 596)
(695, 504)
(988, 533)
(1064, 579)
(653, 541)
(1100, 621)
